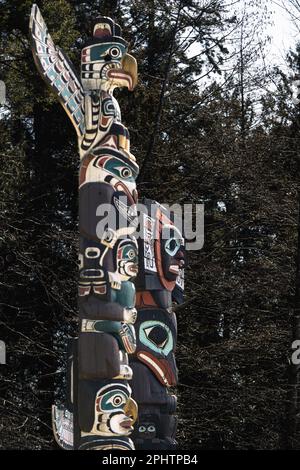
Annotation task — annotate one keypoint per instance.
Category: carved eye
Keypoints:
(115, 52)
(92, 252)
(151, 428)
(117, 400)
(172, 246)
(157, 335)
(131, 254)
(142, 429)
(124, 171)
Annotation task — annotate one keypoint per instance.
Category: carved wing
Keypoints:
(57, 70)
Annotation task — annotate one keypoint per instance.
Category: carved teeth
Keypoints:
(107, 67)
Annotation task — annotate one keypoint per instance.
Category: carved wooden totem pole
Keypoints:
(108, 367)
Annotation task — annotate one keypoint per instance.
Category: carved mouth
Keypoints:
(91, 273)
(160, 368)
(133, 268)
(106, 69)
(120, 75)
(174, 269)
(132, 198)
(127, 424)
(128, 268)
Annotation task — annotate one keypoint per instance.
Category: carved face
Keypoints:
(169, 253)
(156, 337)
(105, 60)
(115, 410)
(146, 430)
(172, 255)
(110, 167)
(127, 259)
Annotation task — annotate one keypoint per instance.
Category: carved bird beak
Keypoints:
(131, 410)
(129, 65)
(126, 75)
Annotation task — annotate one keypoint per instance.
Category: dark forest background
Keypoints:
(211, 122)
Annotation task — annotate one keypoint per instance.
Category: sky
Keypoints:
(283, 33)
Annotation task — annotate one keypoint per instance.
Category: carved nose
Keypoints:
(180, 258)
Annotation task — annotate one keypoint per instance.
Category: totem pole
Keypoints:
(160, 282)
(100, 412)
(123, 338)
